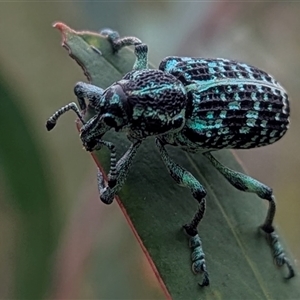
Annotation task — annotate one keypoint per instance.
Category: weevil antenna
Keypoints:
(53, 119)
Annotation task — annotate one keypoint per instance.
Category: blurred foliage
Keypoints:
(30, 195)
(40, 78)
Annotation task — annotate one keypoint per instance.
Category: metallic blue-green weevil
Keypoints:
(198, 104)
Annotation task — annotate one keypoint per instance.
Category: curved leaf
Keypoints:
(25, 176)
(237, 256)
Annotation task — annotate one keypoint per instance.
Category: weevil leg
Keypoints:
(118, 172)
(51, 122)
(140, 51)
(248, 184)
(89, 92)
(117, 42)
(185, 178)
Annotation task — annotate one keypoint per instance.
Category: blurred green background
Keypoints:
(57, 240)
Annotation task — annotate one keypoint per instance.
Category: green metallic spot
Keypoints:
(212, 64)
(227, 137)
(259, 88)
(115, 99)
(211, 70)
(223, 97)
(219, 123)
(266, 97)
(210, 115)
(208, 133)
(250, 122)
(252, 114)
(277, 117)
(264, 132)
(236, 96)
(223, 114)
(256, 105)
(198, 125)
(264, 123)
(270, 107)
(241, 87)
(223, 130)
(234, 105)
(244, 130)
(273, 133)
(253, 96)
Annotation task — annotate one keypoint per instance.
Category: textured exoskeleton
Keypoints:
(197, 104)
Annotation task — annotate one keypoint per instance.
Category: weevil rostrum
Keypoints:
(198, 104)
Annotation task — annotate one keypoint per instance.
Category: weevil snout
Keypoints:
(92, 132)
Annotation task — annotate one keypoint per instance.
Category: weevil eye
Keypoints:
(110, 121)
(114, 107)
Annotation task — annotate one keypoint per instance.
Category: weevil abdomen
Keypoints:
(230, 104)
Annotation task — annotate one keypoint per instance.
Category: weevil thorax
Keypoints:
(143, 103)
(155, 103)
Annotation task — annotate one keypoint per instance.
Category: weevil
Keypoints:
(198, 104)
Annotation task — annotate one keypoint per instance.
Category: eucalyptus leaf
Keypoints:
(237, 255)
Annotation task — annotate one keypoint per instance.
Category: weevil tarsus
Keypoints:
(118, 43)
(140, 49)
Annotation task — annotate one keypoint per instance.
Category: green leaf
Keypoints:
(237, 255)
(30, 197)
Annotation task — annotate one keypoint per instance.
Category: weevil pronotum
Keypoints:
(198, 104)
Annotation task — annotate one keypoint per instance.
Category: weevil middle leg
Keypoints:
(185, 178)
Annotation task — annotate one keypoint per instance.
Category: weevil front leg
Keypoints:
(140, 50)
(185, 178)
(118, 171)
(248, 184)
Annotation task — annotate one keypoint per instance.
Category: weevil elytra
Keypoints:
(198, 104)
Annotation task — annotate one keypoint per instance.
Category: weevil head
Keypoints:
(112, 114)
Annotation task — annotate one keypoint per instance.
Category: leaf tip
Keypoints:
(61, 26)
(64, 29)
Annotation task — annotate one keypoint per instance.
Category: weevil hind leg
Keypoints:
(185, 178)
(248, 184)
